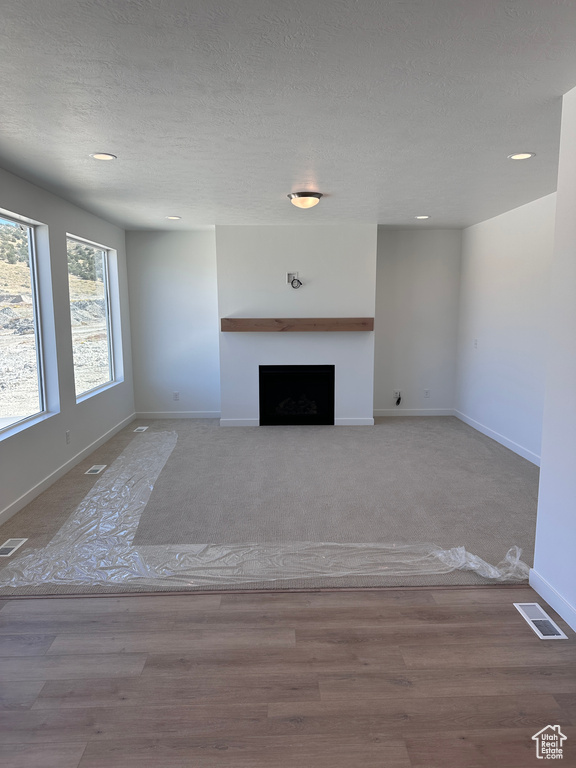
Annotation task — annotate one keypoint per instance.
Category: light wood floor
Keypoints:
(426, 678)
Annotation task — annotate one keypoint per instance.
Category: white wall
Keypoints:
(174, 319)
(554, 573)
(416, 321)
(503, 305)
(337, 265)
(32, 457)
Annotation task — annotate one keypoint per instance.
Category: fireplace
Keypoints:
(296, 394)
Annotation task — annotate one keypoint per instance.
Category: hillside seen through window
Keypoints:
(20, 369)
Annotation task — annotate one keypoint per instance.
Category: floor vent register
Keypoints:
(541, 623)
(96, 469)
(10, 546)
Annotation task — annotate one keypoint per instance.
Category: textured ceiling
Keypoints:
(217, 110)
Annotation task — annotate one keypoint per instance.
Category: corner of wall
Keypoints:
(554, 599)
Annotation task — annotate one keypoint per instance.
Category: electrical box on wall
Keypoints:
(290, 276)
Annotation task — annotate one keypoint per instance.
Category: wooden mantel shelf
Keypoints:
(295, 324)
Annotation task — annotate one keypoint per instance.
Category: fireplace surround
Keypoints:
(329, 321)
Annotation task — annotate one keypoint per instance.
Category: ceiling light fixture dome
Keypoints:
(522, 156)
(103, 156)
(305, 199)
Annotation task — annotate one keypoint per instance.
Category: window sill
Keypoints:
(97, 390)
(20, 426)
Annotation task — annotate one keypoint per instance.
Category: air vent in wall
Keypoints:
(541, 623)
(140, 429)
(10, 546)
(96, 469)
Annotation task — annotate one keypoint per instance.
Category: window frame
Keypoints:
(110, 330)
(32, 228)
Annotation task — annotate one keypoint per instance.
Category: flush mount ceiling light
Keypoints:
(103, 156)
(173, 218)
(421, 217)
(305, 199)
(522, 156)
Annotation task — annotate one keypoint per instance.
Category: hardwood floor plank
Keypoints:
(70, 666)
(315, 751)
(101, 723)
(310, 601)
(356, 616)
(322, 618)
(19, 695)
(533, 652)
(567, 701)
(433, 634)
(484, 596)
(125, 604)
(405, 716)
(427, 683)
(261, 601)
(377, 598)
(90, 624)
(41, 755)
(257, 688)
(483, 749)
(280, 616)
(229, 621)
(331, 659)
(25, 645)
(173, 642)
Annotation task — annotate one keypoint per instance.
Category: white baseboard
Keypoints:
(27, 497)
(353, 422)
(519, 449)
(553, 598)
(413, 412)
(239, 422)
(177, 414)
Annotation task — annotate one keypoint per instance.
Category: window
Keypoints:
(21, 381)
(90, 315)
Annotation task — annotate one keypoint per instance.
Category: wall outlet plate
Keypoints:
(291, 276)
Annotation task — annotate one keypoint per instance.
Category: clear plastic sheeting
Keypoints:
(94, 547)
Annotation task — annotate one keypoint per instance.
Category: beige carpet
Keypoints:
(405, 480)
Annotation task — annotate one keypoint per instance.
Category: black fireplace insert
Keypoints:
(296, 394)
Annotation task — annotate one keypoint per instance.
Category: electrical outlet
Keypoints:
(67, 437)
(397, 394)
(426, 393)
(175, 395)
(291, 276)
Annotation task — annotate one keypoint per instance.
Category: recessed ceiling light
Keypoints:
(103, 156)
(173, 218)
(522, 156)
(305, 199)
(421, 217)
